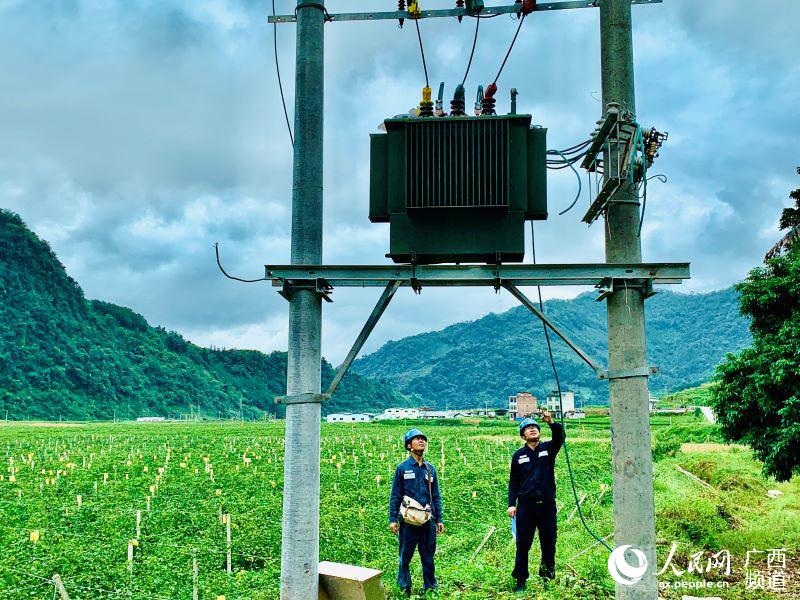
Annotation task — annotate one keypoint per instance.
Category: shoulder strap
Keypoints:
(430, 491)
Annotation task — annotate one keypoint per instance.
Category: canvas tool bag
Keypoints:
(412, 512)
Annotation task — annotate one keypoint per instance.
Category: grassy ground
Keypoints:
(213, 469)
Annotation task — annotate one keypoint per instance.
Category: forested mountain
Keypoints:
(484, 361)
(63, 356)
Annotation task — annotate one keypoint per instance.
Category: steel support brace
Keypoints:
(527, 303)
(377, 312)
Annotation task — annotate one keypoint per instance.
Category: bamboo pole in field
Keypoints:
(130, 556)
(138, 524)
(492, 529)
(574, 510)
(62, 591)
(228, 540)
(194, 574)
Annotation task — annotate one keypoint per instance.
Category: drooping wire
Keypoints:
(219, 264)
(422, 52)
(561, 406)
(580, 186)
(472, 53)
(511, 47)
(278, 71)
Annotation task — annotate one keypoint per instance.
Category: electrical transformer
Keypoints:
(458, 189)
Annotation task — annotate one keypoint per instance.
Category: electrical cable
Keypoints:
(472, 53)
(561, 406)
(422, 52)
(577, 196)
(573, 149)
(278, 71)
(511, 47)
(219, 264)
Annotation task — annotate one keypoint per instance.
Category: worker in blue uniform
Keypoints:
(532, 496)
(417, 479)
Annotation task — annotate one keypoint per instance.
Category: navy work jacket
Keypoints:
(411, 479)
(532, 471)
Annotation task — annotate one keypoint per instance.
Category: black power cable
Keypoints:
(224, 272)
(278, 71)
(422, 51)
(511, 47)
(561, 406)
(472, 53)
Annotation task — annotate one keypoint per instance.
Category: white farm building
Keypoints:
(349, 418)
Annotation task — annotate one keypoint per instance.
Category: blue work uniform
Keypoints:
(532, 489)
(411, 479)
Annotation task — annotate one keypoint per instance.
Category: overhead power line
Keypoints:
(278, 72)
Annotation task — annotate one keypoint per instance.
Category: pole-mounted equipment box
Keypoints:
(458, 189)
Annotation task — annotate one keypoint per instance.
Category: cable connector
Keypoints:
(414, 10)
(478, 100)
(528, 6)
(474, 7)
(653, 140)
(440, 102)
(426, 106)
(458, 103)
(488, 102)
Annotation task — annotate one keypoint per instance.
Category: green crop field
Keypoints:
(69, 497)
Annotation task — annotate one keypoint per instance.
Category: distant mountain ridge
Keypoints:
(486, 360)
(63, 356)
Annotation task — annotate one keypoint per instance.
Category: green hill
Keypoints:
(63, 356)
(468, 364)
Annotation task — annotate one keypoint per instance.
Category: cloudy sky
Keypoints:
(134, 135)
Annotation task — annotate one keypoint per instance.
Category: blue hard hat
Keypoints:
(527, 423)
(411, 435)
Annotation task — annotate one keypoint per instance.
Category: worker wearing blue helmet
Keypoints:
(532, 496)
(416, 479)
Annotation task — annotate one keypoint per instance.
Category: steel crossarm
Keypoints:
(287, 276)
(487, 11)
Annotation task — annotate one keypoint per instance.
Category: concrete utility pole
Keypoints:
(300, 539)
(632, 462)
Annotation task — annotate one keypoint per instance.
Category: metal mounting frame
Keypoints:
(317, 285)
(418, 276)
(453, 12)
(302, 399)
(606, 277)
(628, 373)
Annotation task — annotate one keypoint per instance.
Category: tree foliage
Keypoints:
(63, 356)
(757, 398)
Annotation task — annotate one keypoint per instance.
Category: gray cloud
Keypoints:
(137, 134)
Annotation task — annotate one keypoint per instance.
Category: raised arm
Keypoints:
(557, 431)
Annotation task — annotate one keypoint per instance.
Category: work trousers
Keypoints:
(422, 537)
(533, 514)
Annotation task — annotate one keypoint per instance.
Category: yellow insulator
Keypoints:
(426, 94)
(414, 10)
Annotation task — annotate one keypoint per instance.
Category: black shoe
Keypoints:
(546, 573)
(520, 586)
